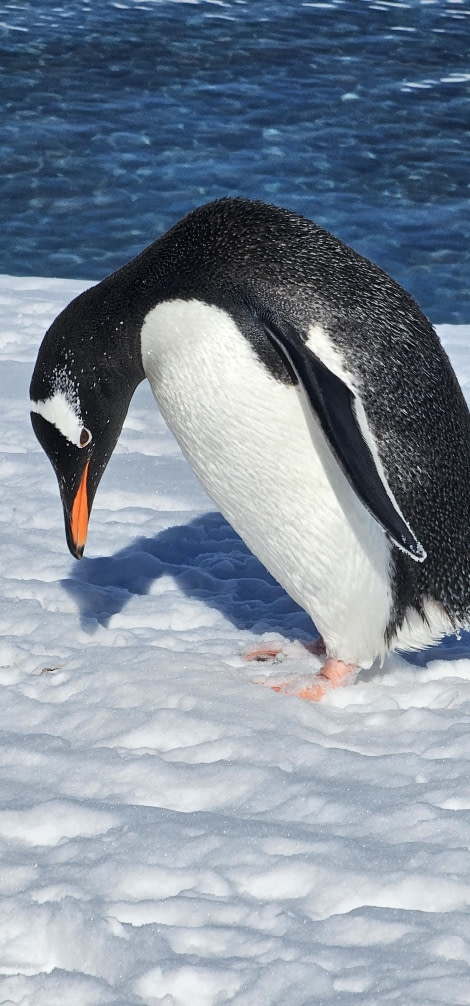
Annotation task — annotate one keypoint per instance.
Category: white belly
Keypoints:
(264, 461)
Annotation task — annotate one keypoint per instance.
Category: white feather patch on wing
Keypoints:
(320, 344)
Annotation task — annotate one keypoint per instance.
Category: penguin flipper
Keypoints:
(336, 406)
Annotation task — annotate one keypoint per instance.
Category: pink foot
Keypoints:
(265, 653)
(333, 673)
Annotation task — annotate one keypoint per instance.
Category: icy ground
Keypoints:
(171, 833)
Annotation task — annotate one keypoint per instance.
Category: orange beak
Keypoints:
(79, 515)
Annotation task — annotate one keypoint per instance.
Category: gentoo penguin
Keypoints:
(312, 399)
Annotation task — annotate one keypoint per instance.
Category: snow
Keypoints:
(170, 832)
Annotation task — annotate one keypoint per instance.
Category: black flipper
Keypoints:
(333, 404)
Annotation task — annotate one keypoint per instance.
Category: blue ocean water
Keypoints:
(119, 117)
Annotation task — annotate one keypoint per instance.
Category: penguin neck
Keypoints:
(119, 306)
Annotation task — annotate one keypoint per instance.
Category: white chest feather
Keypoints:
(261, 456)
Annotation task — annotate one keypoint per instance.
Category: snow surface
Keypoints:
(171, 833)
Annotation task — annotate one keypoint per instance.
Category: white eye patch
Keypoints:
(59, 411)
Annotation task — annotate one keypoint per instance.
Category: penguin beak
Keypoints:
(76, 520)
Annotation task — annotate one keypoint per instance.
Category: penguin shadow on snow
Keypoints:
(208, 561)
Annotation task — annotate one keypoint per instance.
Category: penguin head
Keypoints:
(82, 384)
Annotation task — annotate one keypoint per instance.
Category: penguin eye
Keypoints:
(85, 437)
